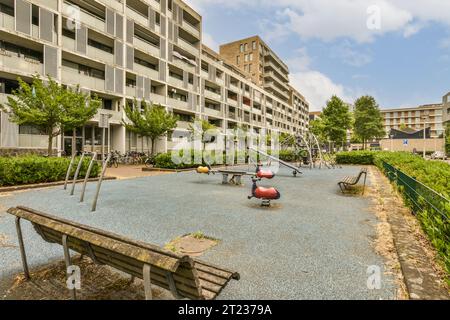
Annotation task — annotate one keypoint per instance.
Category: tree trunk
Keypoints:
(142, 143)
(50, 145)
(153, 146)
(74, 142)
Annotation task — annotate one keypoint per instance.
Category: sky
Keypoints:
(395, 50)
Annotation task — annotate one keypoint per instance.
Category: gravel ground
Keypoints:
(314, 243)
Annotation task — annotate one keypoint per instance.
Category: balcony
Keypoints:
(68, 44)
(232, 115)
(157, 99)
(176, 82)
(232, 102)
(190, 28)
(136, 16)
(212, 95)
(204, 74)
(100, 55)
(130, 91)
(188, 47)
(178, 104)
(213, 112)
(7, 22)
(116, 116)
(86, 18)
(184, 125)
(72, 76)
(234, 88)
(52, 4)
(273, 56)
(282, 74)
(183, 65)
(12, 61)
(145, 71)
(146, 47)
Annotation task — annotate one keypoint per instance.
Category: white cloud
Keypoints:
(318, 88)
(329, 20)
(300, 62)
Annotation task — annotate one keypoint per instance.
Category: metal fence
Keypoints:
(432, 208)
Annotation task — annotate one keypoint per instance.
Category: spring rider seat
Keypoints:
(264, 194)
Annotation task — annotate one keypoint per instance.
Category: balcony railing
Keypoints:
(212, 95)
(176, 82)
(175, 103)
(137, 16)
(188, 27)
(145, 71)
(85, 17)
(146, 47)
(72, 76)
(188, 46)
(13, 61)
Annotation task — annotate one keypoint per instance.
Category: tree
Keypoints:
(149, 121)
(317, 128)
(50, 107)
(336, 121)
(368, 119)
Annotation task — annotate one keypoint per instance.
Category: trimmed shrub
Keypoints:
(36, 169)
(355, 157)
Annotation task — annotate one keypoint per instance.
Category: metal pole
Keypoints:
(75, 177)
(88, 173)
(99, 184)
(424, 139)
(22, 249)
(103, 144)
(68, 172)
(68, 263)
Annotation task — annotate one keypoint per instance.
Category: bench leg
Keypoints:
(225, 179)
(340, 186)
(238, 180)
(364, 187)
(173, 288)
(68, 263)
(22, 249)
(147, 282)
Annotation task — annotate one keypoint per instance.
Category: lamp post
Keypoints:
(392, 142)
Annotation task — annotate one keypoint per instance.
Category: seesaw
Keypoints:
(236, 175)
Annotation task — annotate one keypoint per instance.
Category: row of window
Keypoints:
(244, 46)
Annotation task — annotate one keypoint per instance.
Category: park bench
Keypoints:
(349, 181)
(182, 275)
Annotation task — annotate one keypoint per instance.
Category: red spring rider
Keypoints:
(265, 194)
(263, 174)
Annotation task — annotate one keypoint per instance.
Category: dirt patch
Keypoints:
(194, 244)
(97, 283)
(4, 242)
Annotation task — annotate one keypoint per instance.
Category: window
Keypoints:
(250, 67)
(27, 129)
(251, 56)
(238, 60)
(241, 48)
(246, 58)
(254, 45)
(68, 33)
(246, 47)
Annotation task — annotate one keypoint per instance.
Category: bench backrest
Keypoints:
(168, 270)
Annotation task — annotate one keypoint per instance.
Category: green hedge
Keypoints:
(36, 169)
(356, 157)
(433, 174)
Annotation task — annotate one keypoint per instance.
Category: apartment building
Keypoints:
(430, 115)
(124, 49)
(254, 57)
(446, 109)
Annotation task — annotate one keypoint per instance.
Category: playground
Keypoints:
(313, 243)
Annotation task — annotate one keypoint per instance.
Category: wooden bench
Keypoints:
(182, 275)
(349, 181)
